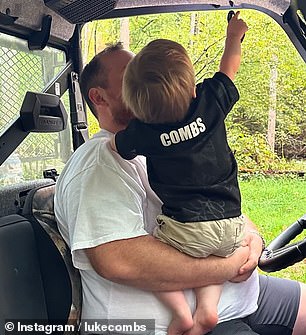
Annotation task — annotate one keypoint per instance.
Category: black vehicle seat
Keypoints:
(34, 282)
(39, 208)
(37, 278)
(13, 196)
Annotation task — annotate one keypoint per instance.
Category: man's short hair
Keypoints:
(159, 82)
(95, 74)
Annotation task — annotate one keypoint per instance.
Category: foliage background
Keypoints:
(274, 203)
(265, 46)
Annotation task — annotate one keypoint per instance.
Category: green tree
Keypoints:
(203, 35)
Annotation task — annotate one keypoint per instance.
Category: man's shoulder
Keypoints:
(84, 159)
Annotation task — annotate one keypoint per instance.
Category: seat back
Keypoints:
(39, 208)
(13, 196)
(34, 282)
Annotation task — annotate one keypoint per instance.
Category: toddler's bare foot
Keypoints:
(203, 322)
(180, 324)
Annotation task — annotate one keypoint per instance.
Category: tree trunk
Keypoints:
(85, 42)
(95, 37)
(125, 32)
(272, 107)
(193, 27)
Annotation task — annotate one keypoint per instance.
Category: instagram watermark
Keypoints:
(86, 327)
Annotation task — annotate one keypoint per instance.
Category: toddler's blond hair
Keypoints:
(159, 82)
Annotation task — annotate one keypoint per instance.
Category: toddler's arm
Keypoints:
(231, 57)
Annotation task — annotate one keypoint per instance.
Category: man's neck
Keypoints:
(112, 127)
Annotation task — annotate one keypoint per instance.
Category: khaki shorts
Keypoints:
(201, 239)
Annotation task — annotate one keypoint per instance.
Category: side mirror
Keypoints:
(41, 112)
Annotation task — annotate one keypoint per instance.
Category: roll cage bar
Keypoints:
(292, 19)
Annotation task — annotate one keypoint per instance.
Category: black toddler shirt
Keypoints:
(190, 165)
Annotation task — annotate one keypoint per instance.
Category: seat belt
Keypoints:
(78, 114)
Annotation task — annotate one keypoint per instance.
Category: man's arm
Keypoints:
(149, 264)
(231, 57)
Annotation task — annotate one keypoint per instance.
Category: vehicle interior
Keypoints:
(44, 45)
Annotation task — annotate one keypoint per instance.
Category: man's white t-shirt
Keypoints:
(101, 197)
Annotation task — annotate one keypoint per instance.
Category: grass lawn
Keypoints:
(273, 203)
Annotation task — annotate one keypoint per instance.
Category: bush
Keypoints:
(253, 154)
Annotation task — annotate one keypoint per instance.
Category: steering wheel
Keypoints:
(279, 254)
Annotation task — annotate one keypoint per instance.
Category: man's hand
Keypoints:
(255, 243)
(241, 256)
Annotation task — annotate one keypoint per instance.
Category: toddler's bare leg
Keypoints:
(181, 314)
(205, 317)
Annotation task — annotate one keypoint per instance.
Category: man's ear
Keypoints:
(97, 96)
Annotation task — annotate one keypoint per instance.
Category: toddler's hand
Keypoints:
(236, 27)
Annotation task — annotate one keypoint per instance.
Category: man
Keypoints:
(106, 212)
